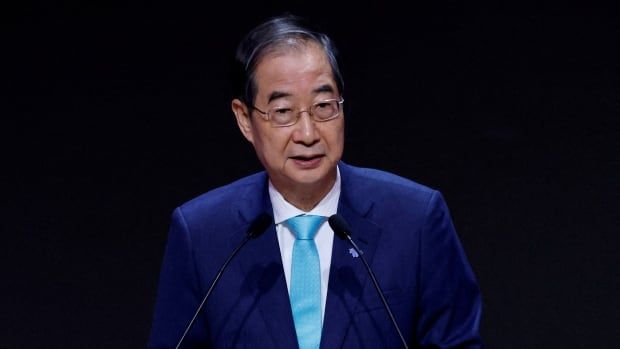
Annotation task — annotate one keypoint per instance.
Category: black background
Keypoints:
(116, 113)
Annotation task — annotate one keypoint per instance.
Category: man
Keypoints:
(283, 290)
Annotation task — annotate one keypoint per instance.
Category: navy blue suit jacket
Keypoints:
(407, 237)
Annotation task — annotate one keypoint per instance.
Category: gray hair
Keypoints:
(278, 33)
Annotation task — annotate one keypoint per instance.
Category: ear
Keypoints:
(242, 114)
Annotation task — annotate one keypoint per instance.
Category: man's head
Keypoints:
(273, 35)
(289, 69)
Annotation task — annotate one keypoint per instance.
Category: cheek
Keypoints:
(335, 137)
(271, 144)
(276, 142)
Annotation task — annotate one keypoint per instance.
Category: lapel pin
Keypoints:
(353, 252)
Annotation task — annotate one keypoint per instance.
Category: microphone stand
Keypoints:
(258, 226)
(378, 288)
(341, 228)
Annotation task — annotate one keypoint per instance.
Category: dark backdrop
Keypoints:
(114, 114)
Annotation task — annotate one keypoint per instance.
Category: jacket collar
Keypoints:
(348, 276)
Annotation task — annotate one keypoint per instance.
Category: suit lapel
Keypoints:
(261, 263)
(348, 275)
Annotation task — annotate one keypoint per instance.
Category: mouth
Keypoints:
(307, 161)
(306, 157)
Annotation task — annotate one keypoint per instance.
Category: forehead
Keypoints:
(293, 70)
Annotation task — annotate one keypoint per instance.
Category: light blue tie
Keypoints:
(305, 292)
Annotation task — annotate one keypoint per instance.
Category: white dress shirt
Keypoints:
(324, 238)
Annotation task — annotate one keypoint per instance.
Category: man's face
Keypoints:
(306, 153)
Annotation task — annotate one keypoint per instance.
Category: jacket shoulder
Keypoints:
(387, 183)
(221, 200)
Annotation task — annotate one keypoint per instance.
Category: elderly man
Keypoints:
(297, 284)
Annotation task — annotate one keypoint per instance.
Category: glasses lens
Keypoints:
(321, 111)
(325, 110)
(282, 116)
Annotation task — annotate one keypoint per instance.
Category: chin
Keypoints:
(311, 177)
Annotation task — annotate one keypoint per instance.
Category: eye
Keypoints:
(325, 109)
(281, 115)
(281, 111)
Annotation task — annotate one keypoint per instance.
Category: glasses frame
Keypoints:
(340, 101)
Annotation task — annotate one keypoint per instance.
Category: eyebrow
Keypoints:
(279, 94)
(323, 88)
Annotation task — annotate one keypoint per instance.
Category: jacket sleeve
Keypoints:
(449, 297)
(179, 292)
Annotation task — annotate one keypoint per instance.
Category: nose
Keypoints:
(305, 130)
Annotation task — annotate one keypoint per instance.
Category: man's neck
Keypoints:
(305, 197)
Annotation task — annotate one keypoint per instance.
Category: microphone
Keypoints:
(343, 231)
(258, 226)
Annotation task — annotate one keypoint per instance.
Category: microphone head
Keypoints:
(339, 226)
(259, 225)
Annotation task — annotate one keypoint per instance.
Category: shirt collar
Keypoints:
(282, 210)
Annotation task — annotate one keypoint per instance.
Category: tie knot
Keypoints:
(305, 227)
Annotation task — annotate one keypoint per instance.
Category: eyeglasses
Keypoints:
(287, 116)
